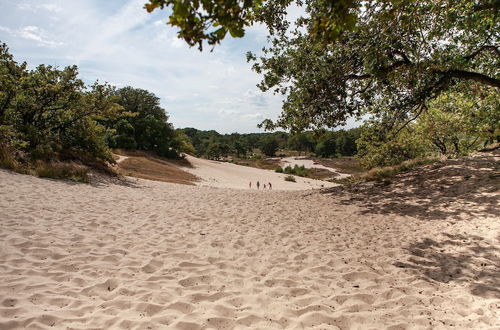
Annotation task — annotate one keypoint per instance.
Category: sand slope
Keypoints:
(154, 255)
(228, 175)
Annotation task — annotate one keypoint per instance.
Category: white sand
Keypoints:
(153, 255)
(228, 175)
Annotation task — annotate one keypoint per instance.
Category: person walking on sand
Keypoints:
(258, 185)
(264, 186)
(270, 186)
(250, 185)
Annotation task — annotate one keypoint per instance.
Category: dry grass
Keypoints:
(155, 169)
(59, 170)
(151, 155)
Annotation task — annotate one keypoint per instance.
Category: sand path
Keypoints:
(153, 255)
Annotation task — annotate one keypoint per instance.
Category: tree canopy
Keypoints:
(350, 58)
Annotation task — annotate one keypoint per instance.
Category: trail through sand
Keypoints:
(153, 255)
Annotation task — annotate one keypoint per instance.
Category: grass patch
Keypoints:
(290, 178)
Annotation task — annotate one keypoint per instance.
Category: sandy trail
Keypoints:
(153, 255)
(228, 175)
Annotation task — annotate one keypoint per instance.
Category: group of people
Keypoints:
(266, 186)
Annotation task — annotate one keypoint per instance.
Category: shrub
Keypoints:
(279, 170)
(56, 170)
(290, 178)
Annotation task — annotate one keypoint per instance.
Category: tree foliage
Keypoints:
(49, 113)
(145, 125)
(401, 55)
(390, 61)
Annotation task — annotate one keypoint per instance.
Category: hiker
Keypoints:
(258, 185)
(270, 186)
(250, 185)
(264, 186)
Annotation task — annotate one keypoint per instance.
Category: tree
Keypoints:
(148, 127)
(301, 142)
(401, 55)
(210, 21)
(269, 146)
(327, 145)
(49, 113)
(348, 58)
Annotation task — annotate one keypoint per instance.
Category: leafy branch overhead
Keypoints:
(350, 58)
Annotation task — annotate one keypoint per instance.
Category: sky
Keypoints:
(118, 42)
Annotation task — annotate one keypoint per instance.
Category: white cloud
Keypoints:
(34, 33)
(34, 7)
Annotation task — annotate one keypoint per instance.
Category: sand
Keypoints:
(227, 175)
(154, 255)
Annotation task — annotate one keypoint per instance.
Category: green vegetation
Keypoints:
(290, 178)
(53, 125)
(425, 73)
(296, 170)
(213, 145)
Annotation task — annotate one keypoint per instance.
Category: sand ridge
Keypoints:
(153, 255)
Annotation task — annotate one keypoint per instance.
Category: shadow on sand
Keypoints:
(459, 259)
(455, 189)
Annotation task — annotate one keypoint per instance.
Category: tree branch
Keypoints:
(468, 75)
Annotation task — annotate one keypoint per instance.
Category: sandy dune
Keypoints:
(228, 175)
(154, 255)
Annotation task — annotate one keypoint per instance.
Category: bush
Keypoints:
(290, 178)
(55, 170)
(296, 170)
(279, 170)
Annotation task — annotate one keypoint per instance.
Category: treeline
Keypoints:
(323, 143)
(49, 116)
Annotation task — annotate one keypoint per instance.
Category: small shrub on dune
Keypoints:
(290, 178)
(56, 170)
(279, 170)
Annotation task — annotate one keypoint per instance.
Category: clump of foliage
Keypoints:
(145, 124)
(49, 114)
(54, 125)
(452, 125)
(211, 144)
(424, 72)
(296, 170)
(290, 178)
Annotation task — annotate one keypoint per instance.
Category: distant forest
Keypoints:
(323, 143)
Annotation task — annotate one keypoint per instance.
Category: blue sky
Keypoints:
(117, 41)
